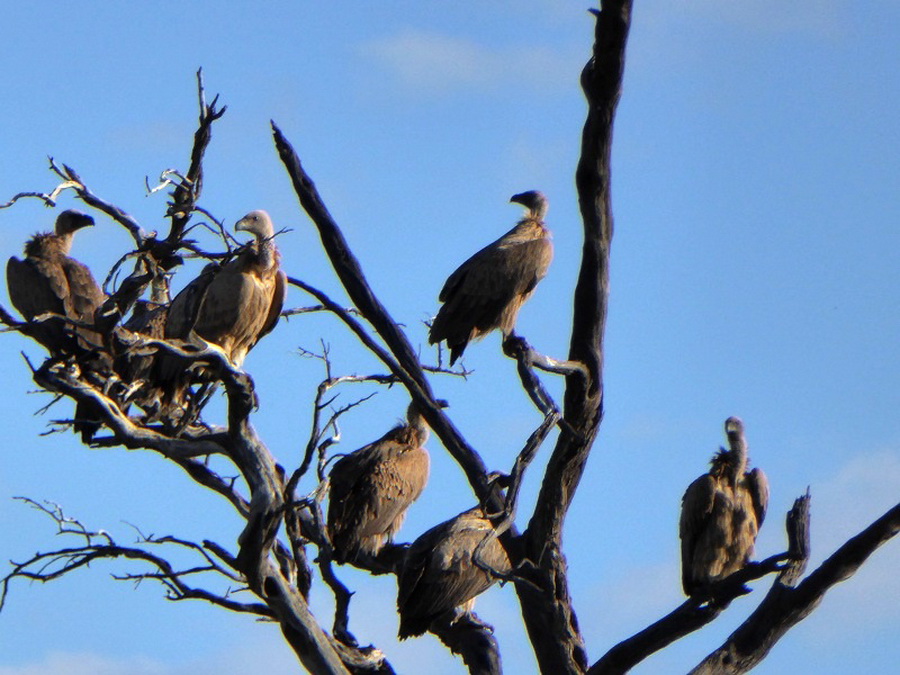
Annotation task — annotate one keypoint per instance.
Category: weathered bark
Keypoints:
(545, 601)
(473, 640)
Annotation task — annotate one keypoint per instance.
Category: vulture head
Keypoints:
(416, 419)
(534, 201)
(734, 426)
(258, 224)
(71, 220)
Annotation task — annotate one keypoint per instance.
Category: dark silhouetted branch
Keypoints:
(546, 604)
(785, 605)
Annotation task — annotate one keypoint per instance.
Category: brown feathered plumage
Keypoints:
(50, 281)
(234, 305)
(721, 514)
(487, 290)
(371, 488)
(439, 573)
(134, 366)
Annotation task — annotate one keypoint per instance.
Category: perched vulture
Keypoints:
(488, 289)
(48, 280)
(134, 368)
(721, 513)
(234, 305)
(371, 488)
(439, 573)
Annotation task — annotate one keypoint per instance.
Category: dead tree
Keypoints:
(266, 571)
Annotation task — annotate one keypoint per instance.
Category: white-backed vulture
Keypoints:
(371, 488)
(48, 280)
(488, 289)
(234, 305)
(721, 513)
(134, 367)
(439, 573)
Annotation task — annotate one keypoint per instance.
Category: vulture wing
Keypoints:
(371, 489)
(696, 509)
(36, 286)
(185, 307)
(279, 292)
(487, 290)
(440, 572)
(83, 299)
(758, 485)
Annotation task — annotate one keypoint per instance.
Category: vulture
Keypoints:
(488, 290)
(721, 513)
(48, 280)
(134, 368)
(371, 488)
(234, 305)
(439, 573)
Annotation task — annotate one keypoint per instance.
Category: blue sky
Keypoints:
(756, 198)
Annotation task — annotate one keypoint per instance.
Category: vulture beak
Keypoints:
(734, 425)
(84, 221)
(79, 220)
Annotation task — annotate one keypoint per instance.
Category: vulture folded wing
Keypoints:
(758, 485)
(440, 572)
(350, 500)
(35, 287)
(185, 307)
(279, 291)
(83, 299)
(696, 508)
(84, 295)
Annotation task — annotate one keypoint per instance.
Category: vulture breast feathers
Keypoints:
(49, 281)
(372, 488)
(236, 304)
(487, 290)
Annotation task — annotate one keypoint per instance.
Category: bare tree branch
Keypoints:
(406, 367)
(546, 604)
(785, 605)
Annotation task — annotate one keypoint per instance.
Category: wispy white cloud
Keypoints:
(862, 489)
(843, 505)
(263, 651)
(436, 63)
(71, 663)
(818, 17)
(822, 17)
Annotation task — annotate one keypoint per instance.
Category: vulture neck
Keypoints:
(46, 245)
(537, 213)
(266, 253)
(50, 243)
(65, 242)
(417, 423)
(737, 457)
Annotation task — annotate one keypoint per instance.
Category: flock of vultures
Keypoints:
(231, 306)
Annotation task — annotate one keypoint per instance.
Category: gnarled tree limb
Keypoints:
(547, 607)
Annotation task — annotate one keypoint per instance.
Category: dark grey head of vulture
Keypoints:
(534, 201)
(416, 419)
(734, 427)
(258, 224)
(71, 220)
